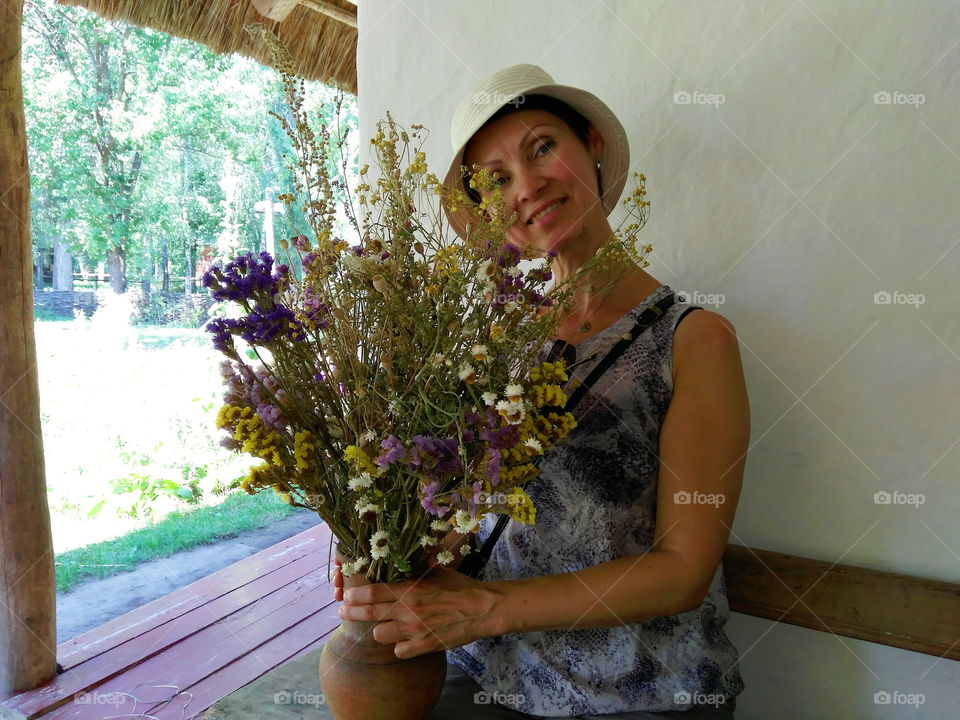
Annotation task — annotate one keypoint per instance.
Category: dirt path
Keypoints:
(95, 602)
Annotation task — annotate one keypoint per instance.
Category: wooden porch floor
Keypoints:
(176, 656)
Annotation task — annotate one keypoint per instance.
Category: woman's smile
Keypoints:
(547, 215)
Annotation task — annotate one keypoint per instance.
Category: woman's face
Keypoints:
(549, 177)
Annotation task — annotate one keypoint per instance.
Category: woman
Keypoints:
(612, 604)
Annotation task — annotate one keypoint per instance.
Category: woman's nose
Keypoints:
(527, 187)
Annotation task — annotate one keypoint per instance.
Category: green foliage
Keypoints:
(145, 148)
(179, 530)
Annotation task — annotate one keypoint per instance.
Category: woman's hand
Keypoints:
(441, 611)
(452, 541)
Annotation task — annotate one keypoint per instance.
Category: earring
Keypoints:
(598, 164)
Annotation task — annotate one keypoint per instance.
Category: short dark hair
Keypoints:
(577, 123)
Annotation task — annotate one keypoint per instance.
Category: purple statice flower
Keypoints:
(539, 274)
(434, 455)
(475, 498)
(501, 438)
(245, 277)
(315, 310)
(509, 255)
(271, 416)
(392, 451)
(427, 501)
(233, 384)
(223, 330)
(358, 250)
(493, 466)
(302, 243)
(308, 259)
(259, 327)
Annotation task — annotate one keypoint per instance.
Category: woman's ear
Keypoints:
(594, 143)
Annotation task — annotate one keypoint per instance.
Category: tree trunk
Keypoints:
(28, 636)
(117, 267)
(62, 267)
(165, 262)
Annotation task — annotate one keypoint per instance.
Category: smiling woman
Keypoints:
(612, 604)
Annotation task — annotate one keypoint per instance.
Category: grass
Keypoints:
(179, 530)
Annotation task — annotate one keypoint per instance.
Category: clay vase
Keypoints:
(362, 679)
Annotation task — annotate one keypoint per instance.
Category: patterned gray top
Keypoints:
(596, 501)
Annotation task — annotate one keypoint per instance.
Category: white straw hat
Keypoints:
(509, 86)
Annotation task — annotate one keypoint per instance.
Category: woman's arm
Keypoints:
(703, 444)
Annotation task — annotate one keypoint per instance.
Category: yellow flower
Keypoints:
(520, 507)
(359, 460)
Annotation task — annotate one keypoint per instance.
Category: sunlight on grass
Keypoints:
(123, 409)
(178, 531)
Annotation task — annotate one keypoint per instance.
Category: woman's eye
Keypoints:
(548, 144)
(499, 180)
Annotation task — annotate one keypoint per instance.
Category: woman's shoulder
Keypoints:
(703, 338)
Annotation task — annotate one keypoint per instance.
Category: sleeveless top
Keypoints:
(596, 501)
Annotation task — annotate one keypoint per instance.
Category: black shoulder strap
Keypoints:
(473, 563)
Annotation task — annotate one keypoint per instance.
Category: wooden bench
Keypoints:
(177, 656)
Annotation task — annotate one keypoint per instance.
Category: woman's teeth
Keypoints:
(543, 212)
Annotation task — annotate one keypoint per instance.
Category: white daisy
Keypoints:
(479, 353)
(380, 544)
(465, 549)
(466, 522)
(489, 398)
(369, 436)
(513, 412)
(510, 306)
(440, 526)
(486, 269)
(428, 541)
(514, 391)
(445, 557)
(358, 483)
(467, 373)
(535, 447)
(514, 271)
(368, 513)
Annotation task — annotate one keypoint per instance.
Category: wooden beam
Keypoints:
(907, 612)
(275, 9)
(330, 10)
(279, 10)
(27, 596)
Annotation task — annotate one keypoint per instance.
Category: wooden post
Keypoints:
(27, 596)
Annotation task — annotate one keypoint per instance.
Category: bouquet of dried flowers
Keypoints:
(397, 388)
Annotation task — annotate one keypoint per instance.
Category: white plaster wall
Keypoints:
(797, 199)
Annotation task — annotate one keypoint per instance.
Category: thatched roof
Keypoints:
(320, 35)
